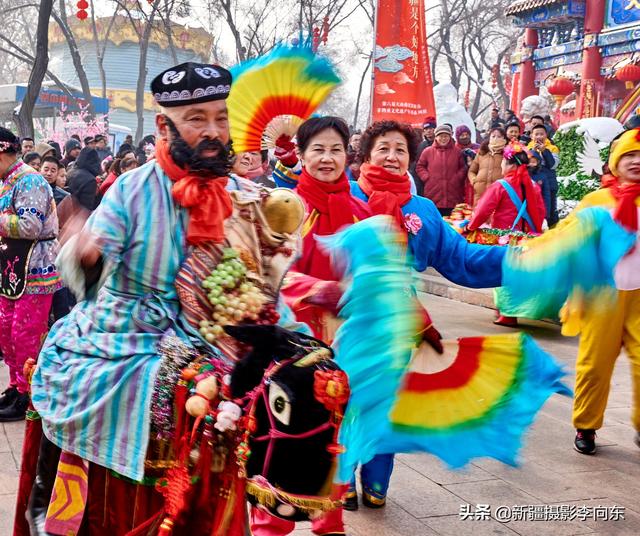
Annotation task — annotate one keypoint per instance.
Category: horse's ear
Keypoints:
(264, 341)
(253, 334)
(269, 343)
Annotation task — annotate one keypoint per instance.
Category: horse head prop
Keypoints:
(296, 398)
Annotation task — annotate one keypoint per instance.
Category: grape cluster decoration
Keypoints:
(233, 296)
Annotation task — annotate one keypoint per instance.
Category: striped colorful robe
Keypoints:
(97, 369)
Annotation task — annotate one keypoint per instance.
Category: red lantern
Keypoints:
(315, 41)
(83, 5)
(325, 29)
(629, 74)
(494, 75)
(560, 87)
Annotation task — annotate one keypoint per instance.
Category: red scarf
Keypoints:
(387, 192)
(332, 200)
(519, 178)
(206, 199)
(626, 212)
(331, 207)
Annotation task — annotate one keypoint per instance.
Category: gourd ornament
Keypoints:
(206, 390)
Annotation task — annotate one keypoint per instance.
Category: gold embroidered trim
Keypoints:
(374, 500)
(268, 497)
(13, 229)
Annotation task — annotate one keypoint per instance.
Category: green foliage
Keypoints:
(573, 184)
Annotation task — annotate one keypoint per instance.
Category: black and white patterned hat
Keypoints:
(191, 83)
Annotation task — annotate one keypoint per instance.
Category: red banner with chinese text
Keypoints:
(402, 84)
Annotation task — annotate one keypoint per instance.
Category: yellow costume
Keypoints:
(602, 335)
(604, 332)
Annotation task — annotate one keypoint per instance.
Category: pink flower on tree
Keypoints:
(412, 223)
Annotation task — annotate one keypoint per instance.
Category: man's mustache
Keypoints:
(193, 159)
(209, 145)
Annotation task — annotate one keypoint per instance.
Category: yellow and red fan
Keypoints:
(476, 399)
(272, 95)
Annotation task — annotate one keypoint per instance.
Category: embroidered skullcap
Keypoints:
(9, 142)
(191, 83)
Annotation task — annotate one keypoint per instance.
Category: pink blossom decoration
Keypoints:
(412, 223)
(511, 150)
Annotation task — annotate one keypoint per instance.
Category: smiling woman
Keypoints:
(322, 147)
(311, 287)
(325, 189)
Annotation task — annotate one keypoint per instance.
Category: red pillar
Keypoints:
(591, 60)
(527, 86)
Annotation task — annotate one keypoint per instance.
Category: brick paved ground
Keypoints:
(425, 499)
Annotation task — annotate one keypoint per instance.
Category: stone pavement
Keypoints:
(426, 499)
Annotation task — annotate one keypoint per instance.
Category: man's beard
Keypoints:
(193, 160)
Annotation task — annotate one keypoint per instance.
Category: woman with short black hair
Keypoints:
(311, 287)
(32, 159)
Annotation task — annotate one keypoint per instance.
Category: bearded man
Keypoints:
(95, 378)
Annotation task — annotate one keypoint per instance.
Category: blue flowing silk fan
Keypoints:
(576, 259)
(478, 403)
(373, 345)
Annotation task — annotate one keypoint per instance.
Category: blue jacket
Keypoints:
(547, 169)
(436, 244)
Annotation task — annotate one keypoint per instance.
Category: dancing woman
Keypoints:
(388, 148)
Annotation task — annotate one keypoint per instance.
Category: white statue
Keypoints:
(449, 110)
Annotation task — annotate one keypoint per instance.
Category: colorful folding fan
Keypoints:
(373, 345)
(574, 262)
(289, 81)
(475, 400)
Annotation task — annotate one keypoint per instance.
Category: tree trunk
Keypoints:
(142, 74)
(169, 31)
(226, 5)
(362, 78)
(24, 119)
(100, 52)
(75, 56)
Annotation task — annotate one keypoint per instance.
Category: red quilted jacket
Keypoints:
(443, 171)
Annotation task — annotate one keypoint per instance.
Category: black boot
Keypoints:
(350, 501)
(40, 497)
(585, 441)
(8, 396)
(17, 410)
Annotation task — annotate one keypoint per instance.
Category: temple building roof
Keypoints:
(520, 6)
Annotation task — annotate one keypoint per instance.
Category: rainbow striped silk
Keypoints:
(286, 81)
(475, 400)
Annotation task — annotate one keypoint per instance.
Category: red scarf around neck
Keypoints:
(387, 192)
(332, 201)
(206, 199)
(626, 212)
(519, 178)
(331, 207)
